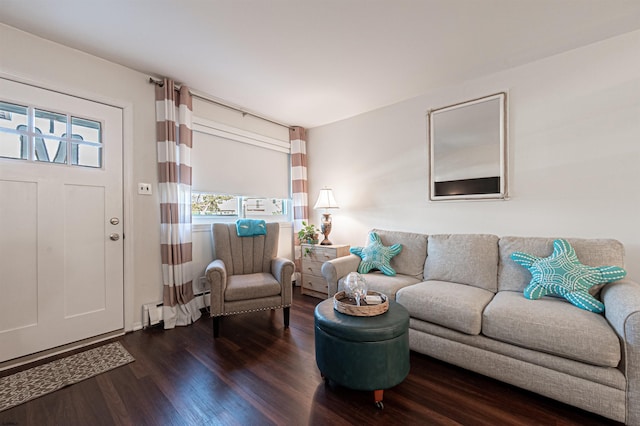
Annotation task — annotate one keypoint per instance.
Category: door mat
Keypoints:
(29, 384)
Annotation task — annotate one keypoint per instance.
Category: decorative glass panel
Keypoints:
(46, 149)
(11, 145)
(50, 123)
(60, 153)
(87, 130)
(86, 155)
(11, 116)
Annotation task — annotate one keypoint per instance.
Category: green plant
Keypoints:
(308, 233)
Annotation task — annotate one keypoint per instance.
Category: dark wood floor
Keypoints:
(258, 373)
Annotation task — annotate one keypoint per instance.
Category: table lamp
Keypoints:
(326, 201)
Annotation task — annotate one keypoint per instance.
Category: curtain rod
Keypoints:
(222, 104)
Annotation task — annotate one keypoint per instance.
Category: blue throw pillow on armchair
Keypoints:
(250, 227)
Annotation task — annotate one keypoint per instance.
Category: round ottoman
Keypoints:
(362, 353)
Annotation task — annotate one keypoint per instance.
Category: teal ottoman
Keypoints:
(362, 353)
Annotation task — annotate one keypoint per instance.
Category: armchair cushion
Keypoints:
(251, 286)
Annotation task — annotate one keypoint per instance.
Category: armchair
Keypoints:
(247, 275)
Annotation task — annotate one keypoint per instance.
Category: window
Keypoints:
(238, 174)
(213, 205)
(206, 207)
(32, 134)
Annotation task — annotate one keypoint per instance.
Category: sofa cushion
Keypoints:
(381, 283)
(410, 261)
(591, 252)
(376, 255)
(551, 325)
(470, 259)
(562, 274)
(455, 306)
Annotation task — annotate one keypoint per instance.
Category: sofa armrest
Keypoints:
(333, 270)
(622, 309)
(282, 269)
(216, 274)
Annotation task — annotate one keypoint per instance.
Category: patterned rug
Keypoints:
(46, 378)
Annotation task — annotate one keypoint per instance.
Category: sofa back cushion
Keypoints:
(591, 252)
(470, 259)
(410, 261)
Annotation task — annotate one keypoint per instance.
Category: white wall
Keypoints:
(40, 61)
(574, 136)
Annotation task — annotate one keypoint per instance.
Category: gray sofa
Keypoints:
(465, 298)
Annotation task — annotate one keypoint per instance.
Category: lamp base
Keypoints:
(325, 227)
(326, 242)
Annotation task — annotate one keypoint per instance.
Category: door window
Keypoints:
(32, 134)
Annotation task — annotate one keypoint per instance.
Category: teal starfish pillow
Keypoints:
(563, 274)
(376, 256)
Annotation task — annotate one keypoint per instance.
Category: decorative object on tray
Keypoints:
(355, 287)
(346, 305)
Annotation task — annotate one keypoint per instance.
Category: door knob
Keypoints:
(114, 236)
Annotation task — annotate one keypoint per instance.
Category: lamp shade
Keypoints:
(326, 200)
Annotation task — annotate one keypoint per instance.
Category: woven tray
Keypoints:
(348, 306)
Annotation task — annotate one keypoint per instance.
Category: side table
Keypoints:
(313, 256)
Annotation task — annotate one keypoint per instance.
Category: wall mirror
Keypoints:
(468, 150)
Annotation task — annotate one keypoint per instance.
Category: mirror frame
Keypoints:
(480, 188)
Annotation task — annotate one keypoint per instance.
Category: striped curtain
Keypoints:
(173, 128)
(300, 191)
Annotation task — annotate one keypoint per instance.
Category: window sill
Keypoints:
(206, 227)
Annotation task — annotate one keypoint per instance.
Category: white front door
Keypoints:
(61, 249)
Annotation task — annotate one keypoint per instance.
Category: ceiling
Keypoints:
(313, 62)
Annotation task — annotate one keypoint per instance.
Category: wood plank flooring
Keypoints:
(258, 373)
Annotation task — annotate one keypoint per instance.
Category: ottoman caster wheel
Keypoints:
(328, 382)
(377, 397)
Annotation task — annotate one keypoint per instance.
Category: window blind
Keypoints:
(232, 161)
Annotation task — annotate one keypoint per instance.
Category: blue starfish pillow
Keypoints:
(376, 256)
(563, 274)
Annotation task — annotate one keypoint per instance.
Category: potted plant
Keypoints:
(308, 233)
